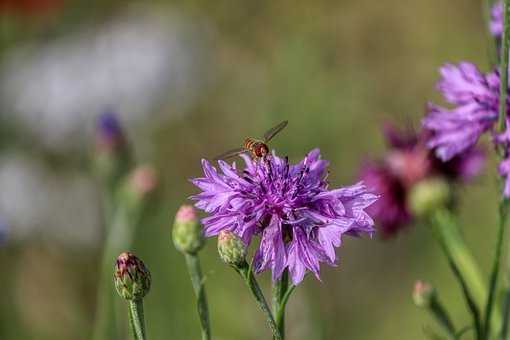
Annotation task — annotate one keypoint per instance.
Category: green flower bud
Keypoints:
(429, 195)
(132, 279)
(231, 248)
(187, 232)
(423, 294)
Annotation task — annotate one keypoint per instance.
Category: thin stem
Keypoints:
(466, 271)
(280, 288)
(473, 308)
(246, 273)
(121, 223)
(506, 311)
(445, 229)
(195, 273)
(503, 89)
(441, 315)
(136, 319)
(503, 211)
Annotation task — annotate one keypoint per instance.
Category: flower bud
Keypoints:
(187, 232)
(143, 179)
(429, 195)
(423, 294)
(231, 248)
(132, 279)
(111, 157)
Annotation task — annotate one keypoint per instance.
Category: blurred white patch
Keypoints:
(135, 65)
(38, 203)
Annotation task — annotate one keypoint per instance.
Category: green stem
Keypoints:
(448, 234)
(506, 309)
(439, 227)
(503, 88)
(246, 273)
(495, 269)
(280, 288)
(441, 315)
(123, 215)
(195, 273)
(473, 308)
(136, 319)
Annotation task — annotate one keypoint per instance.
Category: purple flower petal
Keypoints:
(300, 222)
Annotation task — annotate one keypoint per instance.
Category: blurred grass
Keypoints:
(336, 70)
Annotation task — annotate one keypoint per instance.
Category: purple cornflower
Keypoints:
(407, 162)
(299, 220)
(475, 98)
(496, 21)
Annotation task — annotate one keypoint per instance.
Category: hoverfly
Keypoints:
(256, 147)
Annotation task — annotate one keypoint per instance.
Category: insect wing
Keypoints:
(230, 154)
(273, 131)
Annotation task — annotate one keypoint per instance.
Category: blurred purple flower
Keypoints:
(390, 211)
(109, 133)
(475, 99)
(407, 162)
(299, 219)
(496, 21)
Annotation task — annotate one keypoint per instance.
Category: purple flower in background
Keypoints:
(299, 219)
(109, 132)
(496, 21)
(390, 211)
(474, 96)
(407, 162)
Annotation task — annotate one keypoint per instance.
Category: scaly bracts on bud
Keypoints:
(231, 248)
(132, 279)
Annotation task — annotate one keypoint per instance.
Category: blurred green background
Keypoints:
(191, 79)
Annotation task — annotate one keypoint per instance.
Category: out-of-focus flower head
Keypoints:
(109, 132)
(143, 180)
(423, 293)
(474, 97)
(496, 22)
(299, 219)
(407, 163)
(112, 156)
